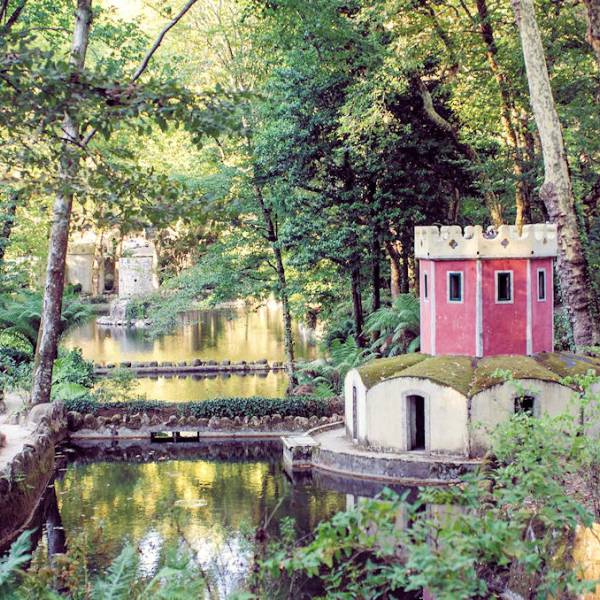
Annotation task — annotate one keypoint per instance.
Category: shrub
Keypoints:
(298, 406)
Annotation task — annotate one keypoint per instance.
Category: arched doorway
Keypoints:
(415, 408)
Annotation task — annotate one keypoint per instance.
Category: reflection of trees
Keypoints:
(211, 501)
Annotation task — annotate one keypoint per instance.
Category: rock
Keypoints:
(182, 364)
(74, 420)
(288, 421)
(110, 366)
(145, 420)
(211, 363)
(89, 421)
(166, 364)
(172, 421)
(255, 423)
(125, 364)
(225, 363)
(4, 485)
(40, 412)
(301, 422)
(335, 418)
(155, 420)
(182, 421)
(102, 421)
(191, 420)
(196, 362)
(153, 363)
(2, 439)
(323, 420)
(116, 420)
(135, 421)
(203, 422)
(226, 423)
(138, 365)
(276, 364)
(313, 421)
(237, 421)
(214, 423)
(262, 361)
(276, 419)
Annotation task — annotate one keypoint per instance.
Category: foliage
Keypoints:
(176, 578)
(20, 314)
(299, 406)
(397, 327)
(72, 376)
(118, 386)
(511, 524)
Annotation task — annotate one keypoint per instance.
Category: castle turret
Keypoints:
(486, 293)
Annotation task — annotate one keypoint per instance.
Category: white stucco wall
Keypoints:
(353, 379)
(445, 416)
(495, 405)
(80, 264)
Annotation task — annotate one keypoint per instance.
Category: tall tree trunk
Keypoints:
(395, 274)
(8, 223)
(375, 271)
(556, 191)
(357, 308)
(272, 238)
(507, 111)
(593, 32)
(98, 266)
(61, 217)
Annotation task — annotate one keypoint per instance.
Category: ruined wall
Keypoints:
(138, 269)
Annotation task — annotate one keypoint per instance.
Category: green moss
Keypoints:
(386, 368)
(567, 365)
(453, 371)
(521, 367)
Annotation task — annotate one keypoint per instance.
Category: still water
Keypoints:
(232, 334)
(208, 499)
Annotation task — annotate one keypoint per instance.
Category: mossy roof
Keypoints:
(470, 376)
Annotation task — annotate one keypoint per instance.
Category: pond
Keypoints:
(210, 498)
(220, 334)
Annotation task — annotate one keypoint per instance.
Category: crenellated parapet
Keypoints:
(451, 242)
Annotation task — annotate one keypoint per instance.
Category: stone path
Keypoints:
(15, 434)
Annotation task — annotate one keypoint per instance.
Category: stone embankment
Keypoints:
(27, 465)
(195, 366)
(121, 425)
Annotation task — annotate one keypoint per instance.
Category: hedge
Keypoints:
(256, 406)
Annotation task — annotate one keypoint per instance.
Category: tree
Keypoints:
(556, 191)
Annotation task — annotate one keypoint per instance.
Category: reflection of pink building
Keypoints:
(484, 294)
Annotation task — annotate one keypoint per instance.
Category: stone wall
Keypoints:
(24, 477)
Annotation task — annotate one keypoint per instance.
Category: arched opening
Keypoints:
(416, 422)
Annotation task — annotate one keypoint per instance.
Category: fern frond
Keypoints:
(120, 577)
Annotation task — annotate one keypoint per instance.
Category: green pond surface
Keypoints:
(210, 504)
(228, 334)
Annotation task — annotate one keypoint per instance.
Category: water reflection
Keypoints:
(212, 503)
(212, 335)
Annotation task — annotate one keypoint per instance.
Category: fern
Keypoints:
(120, 577)
(11, 564)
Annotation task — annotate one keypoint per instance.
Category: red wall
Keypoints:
(504, 325)
(455, 323)
(425, 266)
(542, 312)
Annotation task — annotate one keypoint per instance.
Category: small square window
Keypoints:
(504, 286)
(525, 405)
(541, 284)
(455, 287)
(425, 287)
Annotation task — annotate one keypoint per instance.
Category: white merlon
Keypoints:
(451, 242)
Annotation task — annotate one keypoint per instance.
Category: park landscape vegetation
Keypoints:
(288, 148)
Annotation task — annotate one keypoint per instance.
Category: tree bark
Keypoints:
(507, 111)
(375, 271)
(357, 308)
(593, 32)
(395, 273)
(61, 216)
(272, 238)
(98, 266)
(556, 191)
(8, 224)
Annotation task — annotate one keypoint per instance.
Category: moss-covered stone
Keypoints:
(521, 367)
(453, 371)
(568, 365)
(387, 368)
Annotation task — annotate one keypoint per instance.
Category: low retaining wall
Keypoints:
(27, 473)
(195, 366)
(122, 425)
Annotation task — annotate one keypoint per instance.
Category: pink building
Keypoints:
(486, 293)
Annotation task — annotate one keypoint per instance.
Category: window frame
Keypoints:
(462, 287)
(545, 298)
(512, 286)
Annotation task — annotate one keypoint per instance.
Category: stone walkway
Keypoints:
(15, 434)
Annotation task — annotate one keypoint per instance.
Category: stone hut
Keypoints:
(138, 268)
(486, 311)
